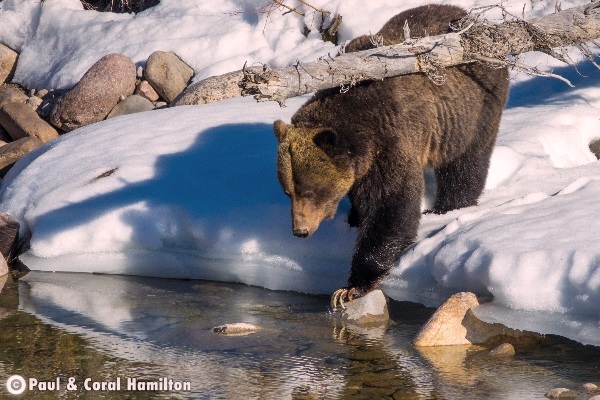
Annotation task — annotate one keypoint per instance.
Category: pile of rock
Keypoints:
(113, 86)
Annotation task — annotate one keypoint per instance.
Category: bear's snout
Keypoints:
(303, 233)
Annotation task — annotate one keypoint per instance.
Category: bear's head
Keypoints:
(315, 169)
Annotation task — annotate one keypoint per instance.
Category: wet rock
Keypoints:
(9, 235)
(455, 324)
(96, 93)
(131, 105)
(236, 329)
(445, 325)
(211, 90)
(8, 63)
(146, 90)
(504, 350)
(370, 309)
(12, 95)
(167, 74)
(21, 121)
(561, 393)
(12, 152)
(590, 387)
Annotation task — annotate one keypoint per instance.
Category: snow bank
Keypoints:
(191, 192)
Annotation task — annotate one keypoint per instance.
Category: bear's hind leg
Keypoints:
(461, 182)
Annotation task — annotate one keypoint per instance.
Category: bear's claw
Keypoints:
(342, 295)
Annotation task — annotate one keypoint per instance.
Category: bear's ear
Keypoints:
(327, 140)
(280, 129)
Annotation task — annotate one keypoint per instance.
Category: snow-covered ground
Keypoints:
(192, 192)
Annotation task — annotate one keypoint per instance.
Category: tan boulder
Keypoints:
(12, 95)
(11, 152)
(8, 63)
(20, 121)
(167, 74)
(146, 90)
(455, 324)
(98, 92)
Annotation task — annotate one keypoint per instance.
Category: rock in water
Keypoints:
(167, 74)
(590, 387)
(504, 350)
(98, 92)
(370, 309)
(445, 325)
(237, 329)
(561, 393)
(9, 235)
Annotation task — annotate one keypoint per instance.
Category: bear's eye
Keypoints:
(308, 194)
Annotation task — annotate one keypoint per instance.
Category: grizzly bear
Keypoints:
(373, 142)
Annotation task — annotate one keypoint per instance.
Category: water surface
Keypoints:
(109, 328)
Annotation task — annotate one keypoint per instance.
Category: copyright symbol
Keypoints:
(16, 384)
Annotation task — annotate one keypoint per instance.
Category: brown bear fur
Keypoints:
(374, 141)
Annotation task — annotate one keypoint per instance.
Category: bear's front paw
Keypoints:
(343, 295)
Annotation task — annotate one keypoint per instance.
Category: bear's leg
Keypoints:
(387, 228)
(460, 182)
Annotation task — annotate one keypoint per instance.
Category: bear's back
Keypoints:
(428, 20)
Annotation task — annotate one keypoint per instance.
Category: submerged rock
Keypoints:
(504, 350)
(590, 387)
(370, 309)
(561, 393)
(236, 329)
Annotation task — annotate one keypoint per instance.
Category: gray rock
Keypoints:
(236, 329)
(370, 309)
(42, 93)
(34, 102)
(211, 90)
(9, 235)
(12, 95)
(167, 74)
(11, 152)
(561, 393)
(504, 350)
(98, 91)
(20, 120)
(146, 90)
(131, 105)
(8, 63)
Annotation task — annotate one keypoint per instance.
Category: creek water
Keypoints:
(87, 333)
